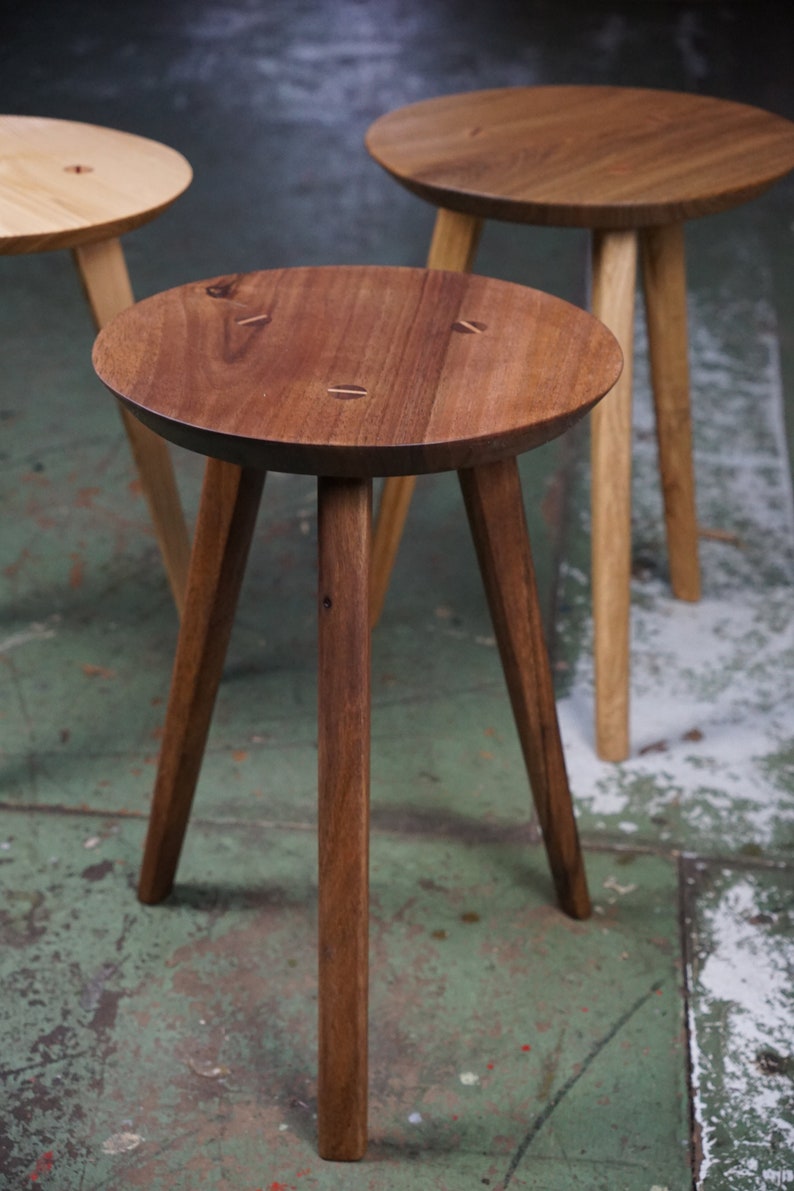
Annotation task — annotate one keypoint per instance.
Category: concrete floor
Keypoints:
(649, 1048)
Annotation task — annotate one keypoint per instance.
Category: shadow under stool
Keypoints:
(347, 374)
(80, 186)
(631, 165)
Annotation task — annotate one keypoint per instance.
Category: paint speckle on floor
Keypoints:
(121, 1143)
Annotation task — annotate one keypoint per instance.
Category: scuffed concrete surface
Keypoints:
(741, 1014)
(175, 1047)
(711, 770)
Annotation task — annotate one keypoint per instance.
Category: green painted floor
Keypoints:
(650, 1048)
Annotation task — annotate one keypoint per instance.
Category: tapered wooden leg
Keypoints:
(614, 277)
(107, 286)
(664, 281)
(453, 246)
(496, 515)
(343, 821)
(455, 240)
(227, 515)
(395, 500)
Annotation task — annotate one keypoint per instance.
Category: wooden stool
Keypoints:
(66, 185)
(350, 373)
(632, 165)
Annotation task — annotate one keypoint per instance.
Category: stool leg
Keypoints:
(495, 509)
(664, 282)
(344, 526)
(454, 246)
(107, 286)
(227, 515)
(614, 276)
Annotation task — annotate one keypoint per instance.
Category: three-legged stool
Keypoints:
(79, 186)
(632, 166)
(346, 374)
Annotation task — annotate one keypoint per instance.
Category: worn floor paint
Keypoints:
(175, 1047)
(742, 1008)
(712, 682)
(191, 1027)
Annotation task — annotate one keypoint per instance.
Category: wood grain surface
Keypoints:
(357, 370)
(614, 277)
(64, 183)
(227, 516)
(664, 284)
(453, 246)
(106, 283)
(495, 509)
(582, 156)
(343, 742)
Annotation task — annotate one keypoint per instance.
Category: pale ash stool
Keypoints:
(346, 374)
(632, 165)
(79, 186)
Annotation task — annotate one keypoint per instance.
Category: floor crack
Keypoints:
(560, 1095)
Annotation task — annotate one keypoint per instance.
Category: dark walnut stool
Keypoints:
(79, 186)
(346, 374)
(633, 166)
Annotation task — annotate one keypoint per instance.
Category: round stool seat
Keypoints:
(581, 156)
(64, 183)
(80, 186)
(359, 371)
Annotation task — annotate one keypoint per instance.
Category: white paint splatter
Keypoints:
(121, 1143)
(207, 1068)
(713, 682)
(36, 632)
(742, 1006)
(711, 699)
(613, 884)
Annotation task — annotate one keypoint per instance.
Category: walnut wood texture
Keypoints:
(103, 272)
(344, 531)
(357, 371)
(63, 183)
(496, 515)
(227, 515)
(453, 246)
(583, 156)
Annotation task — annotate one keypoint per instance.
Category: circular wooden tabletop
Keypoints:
(609, 157)
(63, 184)
(359, 371)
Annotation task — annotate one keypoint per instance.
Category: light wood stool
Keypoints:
(79, 186)
(350, 373)
(632, 165)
